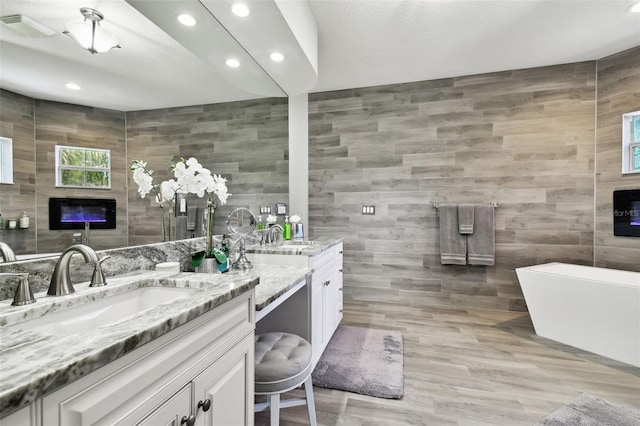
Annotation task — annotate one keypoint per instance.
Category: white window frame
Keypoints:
(60, 167)
(628, 143)
(6, 160)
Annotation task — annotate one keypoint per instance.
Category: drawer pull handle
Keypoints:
(340, 289)
(341, 310)
(326, 283)
(205, 405)
(340, 269)
(340, 252)
(189, 421)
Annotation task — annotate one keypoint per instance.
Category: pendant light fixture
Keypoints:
(89, 35)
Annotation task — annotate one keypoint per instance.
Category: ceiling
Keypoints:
(360, 43)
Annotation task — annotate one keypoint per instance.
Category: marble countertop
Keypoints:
(293, 247)
(34, 363)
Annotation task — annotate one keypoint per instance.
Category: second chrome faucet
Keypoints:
(61, 281)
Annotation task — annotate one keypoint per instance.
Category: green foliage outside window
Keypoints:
(636, 128)
(635, 157)
(83, 167)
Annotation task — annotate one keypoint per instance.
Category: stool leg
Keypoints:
(311, 405)
(274, 409)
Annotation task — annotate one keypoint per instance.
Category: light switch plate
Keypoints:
(369, 209)
(265, 210)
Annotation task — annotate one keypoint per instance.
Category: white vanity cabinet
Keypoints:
(325, 295)
(199, 373)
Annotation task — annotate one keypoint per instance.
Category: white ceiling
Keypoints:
(361, 43)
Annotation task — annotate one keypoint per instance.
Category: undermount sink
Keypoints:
(111, 309)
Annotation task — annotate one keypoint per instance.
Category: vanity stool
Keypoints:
(282, 363)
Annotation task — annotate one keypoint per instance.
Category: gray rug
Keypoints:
(363, 360)
(589, 410)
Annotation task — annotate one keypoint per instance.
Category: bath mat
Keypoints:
(363, 360)
(589, 410)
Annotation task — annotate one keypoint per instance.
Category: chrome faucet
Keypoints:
(24, 295)
(271, 236)
(61, 282)
(7, 254)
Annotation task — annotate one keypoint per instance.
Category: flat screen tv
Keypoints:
(73, 213)
(626, 213)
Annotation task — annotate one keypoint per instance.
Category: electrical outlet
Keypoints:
(368, 209)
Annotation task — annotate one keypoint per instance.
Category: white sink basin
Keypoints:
(92, 315)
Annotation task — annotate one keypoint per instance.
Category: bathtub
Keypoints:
(594, 309)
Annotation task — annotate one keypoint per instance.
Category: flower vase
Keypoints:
(209, 215)
(163, 224)
(170, 224)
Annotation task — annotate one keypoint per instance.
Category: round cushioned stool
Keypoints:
(282, 363)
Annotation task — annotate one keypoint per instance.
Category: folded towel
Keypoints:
(453, 246)
(465, 218)
(481, 244)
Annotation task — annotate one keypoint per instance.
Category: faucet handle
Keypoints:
(98, 279)
(23, 295)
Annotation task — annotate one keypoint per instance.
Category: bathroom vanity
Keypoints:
(187, 360)
(320, 301)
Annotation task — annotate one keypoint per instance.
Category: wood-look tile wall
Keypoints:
(75, 125)
(245, 142)
(618, 93)
(16, 122)
(524, 139)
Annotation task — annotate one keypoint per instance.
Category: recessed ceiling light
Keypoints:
(233, 63)
(186, 20)
(72, 86)
(277, 56)
(240, 9)
(635, 8)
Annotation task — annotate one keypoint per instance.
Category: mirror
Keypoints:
(241, 222)
(15, 46)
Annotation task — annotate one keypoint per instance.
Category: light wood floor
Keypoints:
(470, 367)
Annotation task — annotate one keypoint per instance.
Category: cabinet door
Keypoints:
(318, 283)
(339, 295)
(227, 385)
(172, 411)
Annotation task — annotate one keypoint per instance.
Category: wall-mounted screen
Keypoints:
(626, 213)
(73, 213)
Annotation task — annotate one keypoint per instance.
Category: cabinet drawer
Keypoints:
(132, 386)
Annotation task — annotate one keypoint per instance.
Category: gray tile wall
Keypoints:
(524, 139)
(618, 93)
(245, 142)
(75, 125)
(16, 122)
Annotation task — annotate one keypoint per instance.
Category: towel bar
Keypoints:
(494, 204)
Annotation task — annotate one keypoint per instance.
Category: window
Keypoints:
(631, 142)
(83, 167)
(6, 160)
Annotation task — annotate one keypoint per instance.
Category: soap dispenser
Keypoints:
(260, 224)
(286, 233)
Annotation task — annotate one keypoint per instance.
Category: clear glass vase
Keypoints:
(163, 224)
(209, 215)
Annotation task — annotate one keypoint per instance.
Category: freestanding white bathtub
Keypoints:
(594, 309)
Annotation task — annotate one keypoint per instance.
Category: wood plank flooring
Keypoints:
(470, 367)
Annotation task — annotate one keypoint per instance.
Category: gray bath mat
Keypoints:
(589, 410)
(363, 360)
